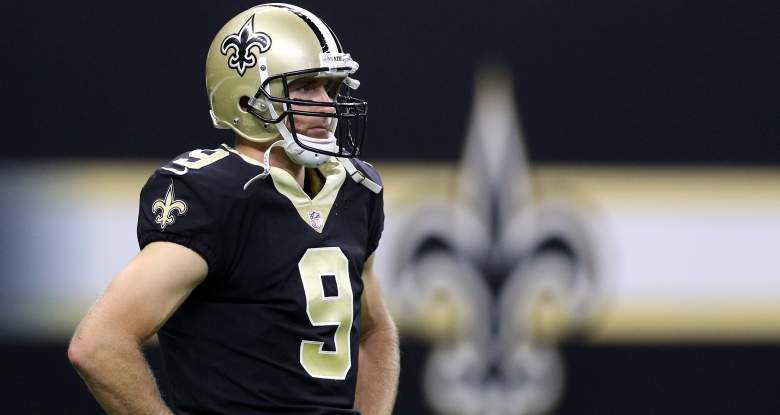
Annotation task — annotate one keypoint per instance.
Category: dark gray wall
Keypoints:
(598, 81)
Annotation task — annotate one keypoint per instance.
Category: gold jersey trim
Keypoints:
(313, 211)
(321, 204)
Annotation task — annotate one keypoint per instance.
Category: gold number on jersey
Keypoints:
(327, 311)
(196, 159)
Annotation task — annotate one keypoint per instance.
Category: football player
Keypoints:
(255, 268)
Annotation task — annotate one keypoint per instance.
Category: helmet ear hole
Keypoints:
(243, 103)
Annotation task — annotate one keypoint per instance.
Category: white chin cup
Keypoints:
(308, 158)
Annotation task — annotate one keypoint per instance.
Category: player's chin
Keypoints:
(317, 133)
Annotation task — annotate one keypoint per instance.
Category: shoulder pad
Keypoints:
(363, 173)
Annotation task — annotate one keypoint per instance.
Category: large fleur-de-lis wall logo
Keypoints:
(240, 45)
(494, 277)
(168, 207)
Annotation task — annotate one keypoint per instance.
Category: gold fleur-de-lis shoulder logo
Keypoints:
(167, 207)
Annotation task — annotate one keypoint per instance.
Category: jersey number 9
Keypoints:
(323, 310)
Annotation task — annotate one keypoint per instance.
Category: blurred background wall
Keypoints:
(583, 198)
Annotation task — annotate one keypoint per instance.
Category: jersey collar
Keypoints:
(313, 211)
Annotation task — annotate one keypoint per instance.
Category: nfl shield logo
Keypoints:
(315, 220)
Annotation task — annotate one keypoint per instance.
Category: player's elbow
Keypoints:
(76, 353)
(82, 352)
(89, 351)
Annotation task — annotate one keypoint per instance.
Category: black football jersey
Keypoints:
(274, 327)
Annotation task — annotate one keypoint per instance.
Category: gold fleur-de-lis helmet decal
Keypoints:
(167, 207)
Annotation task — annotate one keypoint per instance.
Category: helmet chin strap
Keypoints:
(297, 154)
(266, 165)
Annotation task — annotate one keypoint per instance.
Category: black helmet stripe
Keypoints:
(313, 27)
(338, 42)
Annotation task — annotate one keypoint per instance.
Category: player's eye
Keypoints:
(302, 86)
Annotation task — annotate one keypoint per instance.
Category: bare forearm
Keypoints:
(378, 372)
(120, 380)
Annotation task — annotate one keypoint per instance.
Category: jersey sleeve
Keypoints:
(175, 208)
(377, 223)
(377, 216)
